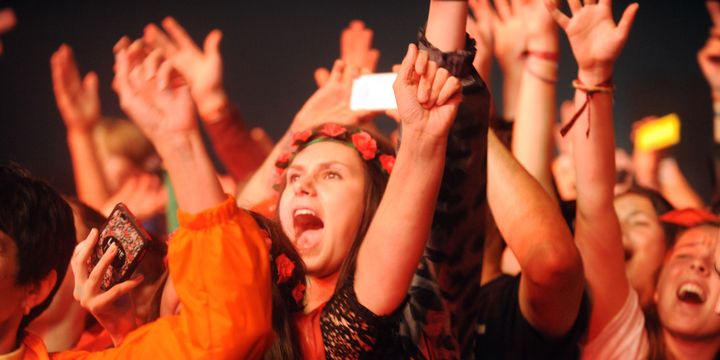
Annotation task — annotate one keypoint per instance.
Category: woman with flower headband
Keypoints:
(361, 251)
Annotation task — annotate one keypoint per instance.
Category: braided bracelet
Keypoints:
(590, 90)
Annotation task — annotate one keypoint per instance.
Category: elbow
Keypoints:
(556, 268)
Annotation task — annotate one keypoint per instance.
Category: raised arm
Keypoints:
(79, 104)
(427, 104)
(536, 110)
(552, 282)
(510, 42)
(596, 43)
(203, 68)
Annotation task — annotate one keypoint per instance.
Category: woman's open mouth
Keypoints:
(308, 228)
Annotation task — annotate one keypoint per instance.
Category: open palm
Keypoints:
(595, 39)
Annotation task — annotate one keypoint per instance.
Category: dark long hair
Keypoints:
(283, 300)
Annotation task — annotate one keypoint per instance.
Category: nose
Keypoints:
(700, 266)
(304, 186)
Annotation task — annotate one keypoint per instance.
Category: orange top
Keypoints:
(219, 263)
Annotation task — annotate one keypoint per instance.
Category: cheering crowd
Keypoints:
(465, 233)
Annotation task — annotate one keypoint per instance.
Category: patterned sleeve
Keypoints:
(352, 331)
(442, 306)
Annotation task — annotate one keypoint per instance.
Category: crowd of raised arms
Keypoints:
(465, 234)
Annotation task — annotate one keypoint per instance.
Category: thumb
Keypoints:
(212, 43)
(321, 75)
(90, 82)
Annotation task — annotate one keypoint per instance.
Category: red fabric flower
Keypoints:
(301, 136)
(285, 268)
(333, 130)
(298, 292)
(283, 159)
(365, 144)
(387, 162)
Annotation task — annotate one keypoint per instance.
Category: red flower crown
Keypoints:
(358, 139)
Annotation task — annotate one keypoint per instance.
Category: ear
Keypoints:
(38, 292)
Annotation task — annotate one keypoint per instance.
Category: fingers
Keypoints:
(151, 64)
(425, 87)
(441, 76)
(627, 19)
(321, 76)
(574, 5)
(336, 74)
(7, 20)
(90, 82)
(407, 72)
(98, 272)
(164, 75)
(449, 90)
(561, 19)
(120, 289)
(81, 254)
(157, 38)
(421, 63)
(713, 8)
(123, 43)
(503, 10)
(178, 34)
(212, 43)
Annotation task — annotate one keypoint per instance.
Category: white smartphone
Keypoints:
(373, 92)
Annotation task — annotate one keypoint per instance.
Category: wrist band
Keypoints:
(589, 90)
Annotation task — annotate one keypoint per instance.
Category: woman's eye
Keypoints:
(292, 178)
(331, 175)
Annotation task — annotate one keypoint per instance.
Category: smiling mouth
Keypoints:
(691, 293)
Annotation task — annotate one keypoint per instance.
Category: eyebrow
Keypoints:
(321, 166)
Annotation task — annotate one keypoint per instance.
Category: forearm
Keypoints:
(597, 230)
(233, 144)
(511, 88)
(446, 24)
(535, 115)
(384, 272)
(90, 182)
(191, 171)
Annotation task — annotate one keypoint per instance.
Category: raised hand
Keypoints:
(481, 29)
(539, 26)
(355, 51)
(155, 97)
(203, 69)
(510, 35)
(112, 308)
(77, 99)
(427, 96)
(7, 22)
(595, 39)
(331, 102)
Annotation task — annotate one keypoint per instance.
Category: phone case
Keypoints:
(132, 241)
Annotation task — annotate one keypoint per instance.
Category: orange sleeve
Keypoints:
(219, 263)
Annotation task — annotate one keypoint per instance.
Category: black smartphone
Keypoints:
(132, 241)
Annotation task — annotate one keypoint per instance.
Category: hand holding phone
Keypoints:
(132, 241)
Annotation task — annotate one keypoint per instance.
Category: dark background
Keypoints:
(271, 49)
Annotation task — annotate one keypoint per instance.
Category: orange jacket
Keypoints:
(219, 263)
